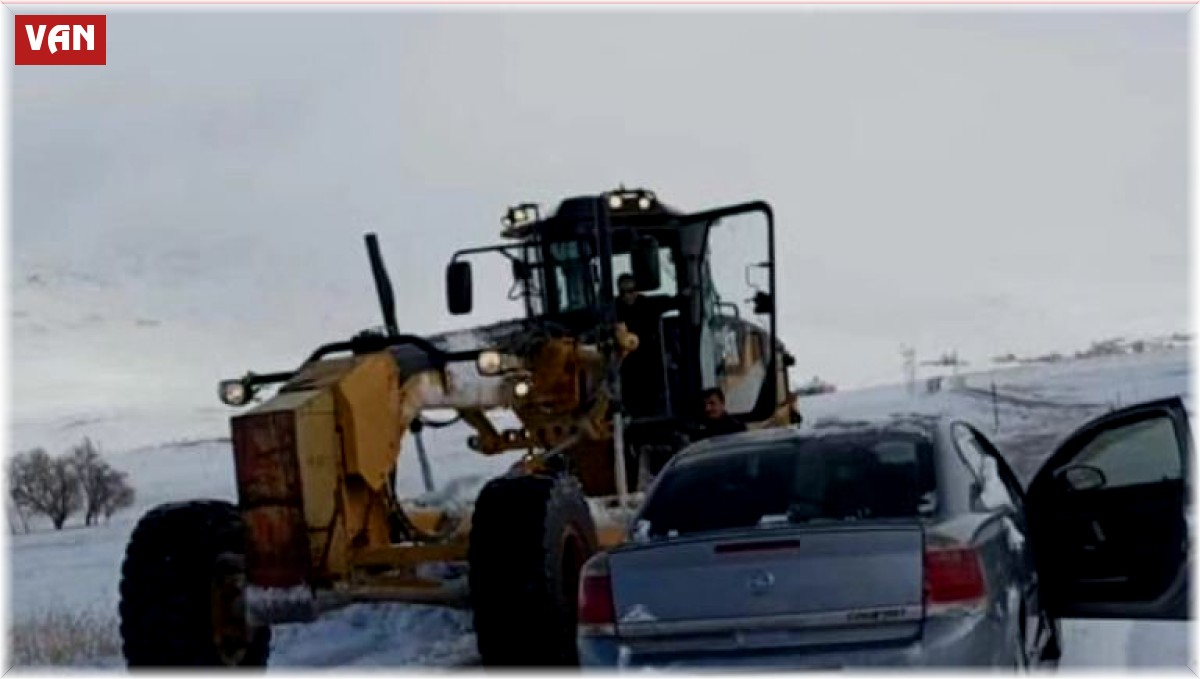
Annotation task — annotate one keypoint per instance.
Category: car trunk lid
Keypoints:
(837, 584)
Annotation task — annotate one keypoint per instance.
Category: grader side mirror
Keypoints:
(521, 271)
(644, 265)
(458, 287)
(764, 303)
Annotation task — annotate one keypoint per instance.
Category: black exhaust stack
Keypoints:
(383, 286)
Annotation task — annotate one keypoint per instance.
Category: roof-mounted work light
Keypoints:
(631, 200)
(520, 216)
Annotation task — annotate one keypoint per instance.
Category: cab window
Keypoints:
(667, 284)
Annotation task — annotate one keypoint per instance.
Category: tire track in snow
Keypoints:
(377, 635)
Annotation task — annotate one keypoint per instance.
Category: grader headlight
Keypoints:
(493, 362)
(522, 388)
(234, 392)
(489, 363)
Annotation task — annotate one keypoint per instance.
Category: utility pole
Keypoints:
(910, 368)
(995, 407)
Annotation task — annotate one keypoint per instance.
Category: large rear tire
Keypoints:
(182, 590)
(530, 535)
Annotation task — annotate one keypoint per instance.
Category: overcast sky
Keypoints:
(986, 181)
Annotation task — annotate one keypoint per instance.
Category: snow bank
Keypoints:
(375, 635)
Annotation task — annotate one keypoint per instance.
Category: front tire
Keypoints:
(530, 536)
(182, 590)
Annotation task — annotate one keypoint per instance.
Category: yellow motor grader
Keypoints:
(318, 523)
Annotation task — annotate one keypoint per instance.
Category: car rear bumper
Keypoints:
(961, 641)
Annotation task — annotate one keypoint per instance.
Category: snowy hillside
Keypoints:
(1033, 407)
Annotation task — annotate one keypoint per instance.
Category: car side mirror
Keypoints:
(1082, 477)
(458, 287)
(644, 265)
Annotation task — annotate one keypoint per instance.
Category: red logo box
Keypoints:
(60, 40)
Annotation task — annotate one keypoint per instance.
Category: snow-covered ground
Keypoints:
(1033, 407)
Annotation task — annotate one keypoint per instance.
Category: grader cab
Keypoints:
(318, 523)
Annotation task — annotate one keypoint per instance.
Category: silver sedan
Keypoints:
(895, 543)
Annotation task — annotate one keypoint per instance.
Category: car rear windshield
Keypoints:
(837, 477)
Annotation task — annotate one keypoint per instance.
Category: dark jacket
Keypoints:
(642, 317)
(722, 425)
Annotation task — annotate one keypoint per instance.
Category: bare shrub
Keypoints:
(58, 487)
(119, 496)
(105, 490)
(18, 518)
(45, 485)
(57, 638)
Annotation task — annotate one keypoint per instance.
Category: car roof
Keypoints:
(929, 425)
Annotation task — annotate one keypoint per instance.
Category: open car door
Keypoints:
(1107, 517)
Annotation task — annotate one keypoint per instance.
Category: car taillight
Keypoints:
(596, 614)
(953, 580)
